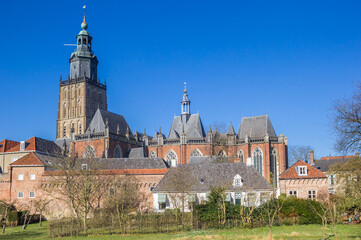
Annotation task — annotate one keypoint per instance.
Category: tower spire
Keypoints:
(185, 105)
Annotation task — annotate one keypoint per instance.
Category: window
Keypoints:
(20, 194)
(331, 180)
(258, 160)
(293, 193)
(13, 159)
(171, 158)
(237, 181)
(117, 152)
(196, 153)
(32, 176)
(64, 131)
(222, 154)
(151, 189)
(312, 194)
(265, 197)
(84, 167)
(251, 199)
(21, 177)
(162, 200)
(31, 194)
(111, 191)
(152, 154)
(238, 197)
(274, 168)
(302, 171)
(89, 152)
(240, 155)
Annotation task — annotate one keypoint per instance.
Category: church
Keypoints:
(86, 129)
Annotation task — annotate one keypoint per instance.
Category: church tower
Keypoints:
(82, 93)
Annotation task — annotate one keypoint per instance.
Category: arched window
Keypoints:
(196, 153)
(258, 160)
(64, 130)
(118, 153)
(274, 168)
(89, 152)
(171, 158)
(240, 155)
(64, 110)
(152, 154)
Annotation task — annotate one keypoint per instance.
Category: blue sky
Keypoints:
(239, 58)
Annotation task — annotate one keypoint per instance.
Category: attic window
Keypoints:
(237, 181)
(201, 181)
(302, 171)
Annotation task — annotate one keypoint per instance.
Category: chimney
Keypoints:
(22, 146)
(312, 160)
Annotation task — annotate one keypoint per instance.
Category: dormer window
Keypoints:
(302, 170)
(237, 181)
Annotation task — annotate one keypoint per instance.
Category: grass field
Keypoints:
(284, 232)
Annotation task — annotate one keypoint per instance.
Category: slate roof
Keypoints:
(127, 163)
(33, 144)
(193, 128)
(325, 163)
(206, 159)
(257, 126)
(136, 153)
(312, 172)
(214, 174)
(98, 122)
(33, 158)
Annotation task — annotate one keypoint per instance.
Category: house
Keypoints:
(304, 181)
(29, 179)
(10, 151)
(191, 183)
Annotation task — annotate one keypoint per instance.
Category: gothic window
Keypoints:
(89, 152)
(240, 155)
(171, 158)
(117, 152)
(73, 112)
(152, 154)
(64, 110)
(258, 160)
(274, 168)
(79, 127)
(196, 153)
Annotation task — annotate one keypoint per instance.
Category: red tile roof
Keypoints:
(312, 172)
(158, 171)
(336, 157)
(6, 144)
(29, 159)
(32, 144)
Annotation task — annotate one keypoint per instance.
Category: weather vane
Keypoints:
(185, 86)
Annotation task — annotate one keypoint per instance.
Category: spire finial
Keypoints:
(84, 25)
(185, 87)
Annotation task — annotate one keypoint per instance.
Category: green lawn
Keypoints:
(284, 232)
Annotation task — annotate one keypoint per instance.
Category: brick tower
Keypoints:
(82, 93)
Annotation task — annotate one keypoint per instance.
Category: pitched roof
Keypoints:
(257, 126)
(207, 175)
(98, 122)
(207, 159)
(137, 153)
(33, 159)
(6, 144)
(231, 130)
(325, 163)
(193, 128)
(36, 144)
(312, 172)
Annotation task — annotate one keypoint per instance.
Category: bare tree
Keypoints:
(346, 121)
(297, 152)
(78, 183)
(40, 206)
(123, 198)
(6, 207)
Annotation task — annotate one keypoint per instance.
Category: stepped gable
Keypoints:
(208, 175)
(257, 126)
(312, 172)
(98, 122)
(193, 128)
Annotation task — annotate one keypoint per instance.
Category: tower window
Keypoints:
(79, 128)
(64, 131)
